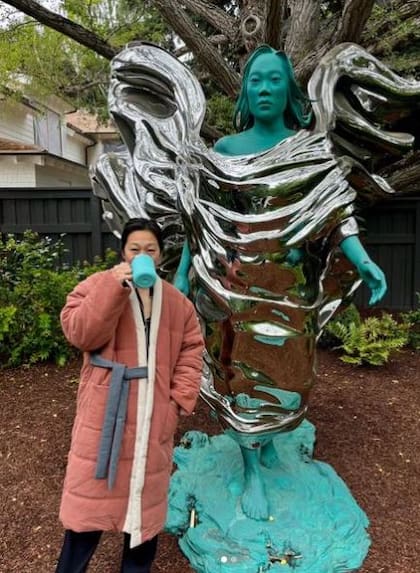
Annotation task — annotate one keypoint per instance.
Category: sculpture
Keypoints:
(269, 106)
(263, 214)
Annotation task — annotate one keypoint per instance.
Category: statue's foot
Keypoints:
(269, 457)
(254, 501)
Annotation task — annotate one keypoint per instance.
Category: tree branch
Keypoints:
(82, 36)
(276, 12)
(205, 53)
(303, 30)
(305, 67)
(251, 24)
(216, 40)
(404, 175)
(76, 89)
(387, 34)
(353, 19)
(307, 50)
(214, 15)
(65, 26)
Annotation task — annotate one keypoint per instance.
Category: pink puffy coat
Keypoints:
(102, 315)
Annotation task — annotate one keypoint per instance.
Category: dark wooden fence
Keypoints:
(75, 212)
(393, 241)
(392, 238)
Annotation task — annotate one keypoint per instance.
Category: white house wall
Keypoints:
(74, 146)
(16, 123)
(43, 150)
(50, 176)
(14, 173)
(94, 152)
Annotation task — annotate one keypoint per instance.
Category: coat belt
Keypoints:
(115, 415)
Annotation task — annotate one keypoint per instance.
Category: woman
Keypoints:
(141, 368)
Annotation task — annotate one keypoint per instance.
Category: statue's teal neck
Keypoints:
(273, 128)
(258, 138)
(263, 135)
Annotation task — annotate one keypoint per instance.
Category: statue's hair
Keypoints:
(296, 114)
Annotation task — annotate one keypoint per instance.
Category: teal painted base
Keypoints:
(315, 525)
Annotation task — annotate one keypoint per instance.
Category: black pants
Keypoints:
(78, 549)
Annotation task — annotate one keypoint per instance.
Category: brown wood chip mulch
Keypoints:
(368, 429)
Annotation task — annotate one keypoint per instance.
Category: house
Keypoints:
(49, 144)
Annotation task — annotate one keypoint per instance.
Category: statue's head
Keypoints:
(269, 73)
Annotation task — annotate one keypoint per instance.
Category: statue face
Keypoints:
(267, 88)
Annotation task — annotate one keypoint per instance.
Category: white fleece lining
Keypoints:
(133, 524)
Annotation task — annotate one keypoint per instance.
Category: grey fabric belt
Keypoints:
(115, 415)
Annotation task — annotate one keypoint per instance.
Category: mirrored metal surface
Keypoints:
(262, 229)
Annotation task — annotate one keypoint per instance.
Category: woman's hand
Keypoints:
(375, 279)
(122, 272)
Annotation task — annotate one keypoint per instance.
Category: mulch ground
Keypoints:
(367, 423)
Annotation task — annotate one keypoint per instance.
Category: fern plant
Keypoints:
(370, 341)
(346, 315)
(412, 319)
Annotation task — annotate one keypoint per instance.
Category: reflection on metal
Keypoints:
(262, 228)
(193, 518)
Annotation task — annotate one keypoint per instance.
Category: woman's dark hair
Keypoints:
(140, 224)
(297, 114)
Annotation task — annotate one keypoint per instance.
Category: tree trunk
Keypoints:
(64, 26)
(404, 176)
(276, 15)
(353, 20)
(204, 51)
(251, 23)
(214, 15)
(303, 30)
(388, 32)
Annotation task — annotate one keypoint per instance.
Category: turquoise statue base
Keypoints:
(315, 525)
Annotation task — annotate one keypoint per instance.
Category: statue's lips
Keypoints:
(265, 103)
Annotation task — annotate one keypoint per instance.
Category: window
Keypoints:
(47, 127)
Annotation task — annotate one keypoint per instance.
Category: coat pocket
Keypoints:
(171, 422)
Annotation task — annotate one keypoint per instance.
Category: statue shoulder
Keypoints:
(230, 144)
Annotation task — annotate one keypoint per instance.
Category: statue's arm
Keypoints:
(369, 271)
(181, 280)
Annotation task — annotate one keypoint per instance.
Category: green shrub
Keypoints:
(33, 290)
(370, 341)
(220, 112)
(346, 316)
(412, 319)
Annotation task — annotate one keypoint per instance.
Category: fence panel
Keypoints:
(74, 212)
(393, 241)
(392, 237)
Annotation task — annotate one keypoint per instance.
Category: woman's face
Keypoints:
(267, 88)
(141, 243)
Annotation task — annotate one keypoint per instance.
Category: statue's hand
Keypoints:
(182, 283)
(375, 279)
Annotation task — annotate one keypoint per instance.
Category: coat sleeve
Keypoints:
(92, 310)
(186, 379)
